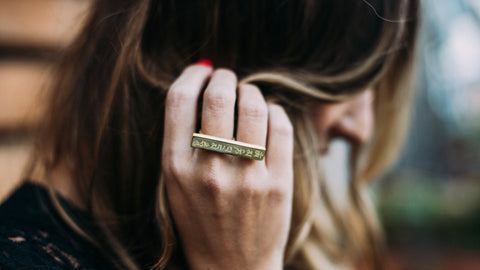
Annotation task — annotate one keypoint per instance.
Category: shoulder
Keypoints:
(33, 236)
(27, 247)
(18, 251)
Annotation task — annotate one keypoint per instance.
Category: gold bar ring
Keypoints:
(231, 147)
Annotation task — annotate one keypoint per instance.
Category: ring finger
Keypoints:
(252, 115)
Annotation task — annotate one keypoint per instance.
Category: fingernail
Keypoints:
(204, 62)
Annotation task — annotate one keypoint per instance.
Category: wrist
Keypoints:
(265, 263)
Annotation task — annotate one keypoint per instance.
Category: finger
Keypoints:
(252, 115)
(181, 108)
(279, 154)
(219, 104)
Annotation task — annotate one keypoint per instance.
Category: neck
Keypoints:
(62, 182)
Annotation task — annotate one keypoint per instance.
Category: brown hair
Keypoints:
(105, 117)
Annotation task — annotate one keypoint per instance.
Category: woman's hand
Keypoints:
(230, 212)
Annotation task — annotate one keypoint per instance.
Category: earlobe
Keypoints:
(352, 120)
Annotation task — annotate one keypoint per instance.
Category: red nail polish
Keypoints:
(204, 62)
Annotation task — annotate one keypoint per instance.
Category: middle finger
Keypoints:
(219, 104)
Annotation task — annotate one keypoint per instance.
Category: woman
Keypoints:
(128, 190)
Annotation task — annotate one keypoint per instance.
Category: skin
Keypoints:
(232, 212)
(352, 120)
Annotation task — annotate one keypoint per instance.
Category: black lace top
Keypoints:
(33, 235)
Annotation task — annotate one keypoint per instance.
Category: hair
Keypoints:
(105, 116)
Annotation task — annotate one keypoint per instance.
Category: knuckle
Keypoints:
(248, 191)
(193, 68)
(277, 195)
(251, 188)
(210, 186)
(249, 87)
(254, 108)
(209, 181)
(282, 127)
(226, 74)
(172, 169)
(178, 94)
(217, 98)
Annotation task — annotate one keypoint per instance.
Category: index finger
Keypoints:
(181, 108)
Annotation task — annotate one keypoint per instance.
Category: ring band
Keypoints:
(231, 147)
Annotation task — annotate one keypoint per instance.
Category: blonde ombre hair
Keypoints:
(105, 117)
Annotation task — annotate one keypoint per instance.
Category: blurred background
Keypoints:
(429, 202)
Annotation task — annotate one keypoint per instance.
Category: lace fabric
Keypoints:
(33, 236)
(21, 248)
